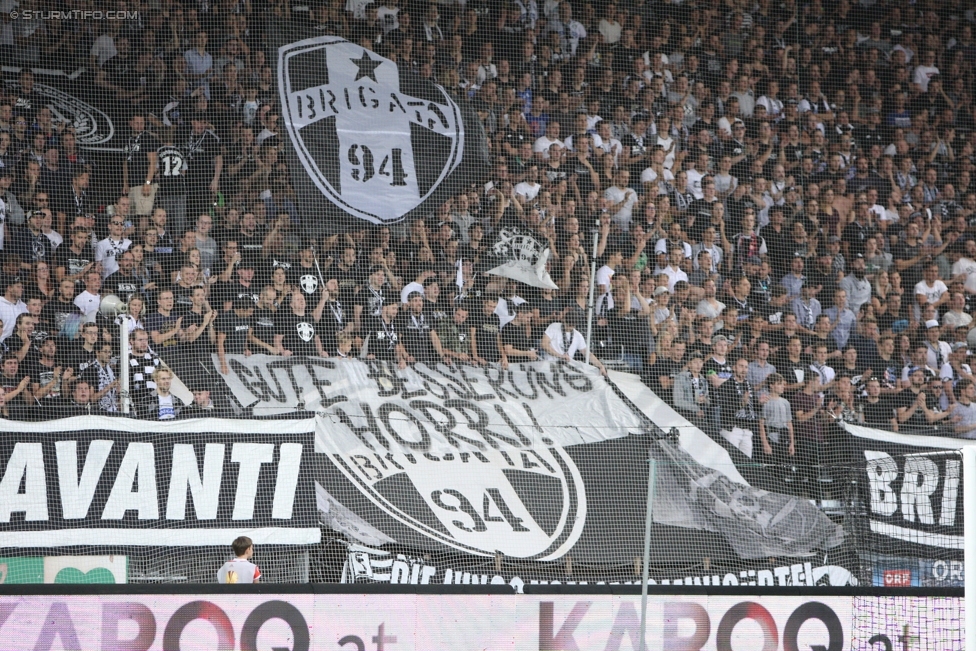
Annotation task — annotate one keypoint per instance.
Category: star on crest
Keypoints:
(367, 67)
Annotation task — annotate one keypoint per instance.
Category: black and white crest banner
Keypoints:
(367, 141)
(535, 462)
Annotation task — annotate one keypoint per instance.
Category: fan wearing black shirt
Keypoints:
(262, 331)
(295, 330)
(516, 336)
(205, 162)
(738, 400)
(85, 354)
(124, 283)
(877, 409)
(59, 312)
(243, 285)
(27, 102)
(15, 384)
(333, 318)
(792, 365)
(419, 338)
(249, 240)
(73, 261)
(486, 344)
(665, 369)
(45, 371)
(139, 166)
(305, 275)
(349, 274)
(77, 202)
(370, 300)
(382, 340)
(233, 332)
(171, 178)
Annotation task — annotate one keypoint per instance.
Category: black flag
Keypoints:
(365, 140)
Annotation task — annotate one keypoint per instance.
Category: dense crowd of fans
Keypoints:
(778, 195)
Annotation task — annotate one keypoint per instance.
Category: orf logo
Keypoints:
(372, 150)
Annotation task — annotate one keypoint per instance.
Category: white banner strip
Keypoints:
(916, 536)
(917, 440)
(158, 537)
(176, 427)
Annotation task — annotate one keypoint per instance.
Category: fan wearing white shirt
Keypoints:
(112, 247)
(656, 173)
(956, 317)
(622, 200)
(673, 270)
(666, 142)
(561, 341)
(89, 300)
(819, 366)
(937, 353)
(966, 265)
(605, 273)
(695, 176)
(529, 188)
(543, 143)
(930, 290)
(925, 71)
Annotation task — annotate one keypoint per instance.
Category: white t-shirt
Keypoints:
(725, 126)
(667, 143)
(542, 145)
(650, 176)
(106, 252)
(931, 294)
(247, 572)
(954, 320)
(922, 76)
(625, 214)
(54, 236)
(694, 183)
(674, 275)
(388, 18)
(603, 276)
(88, 304)
(528, 190)
(968, 267)
(166, 410)
(358, 8)
(563, 343)
(9, 313)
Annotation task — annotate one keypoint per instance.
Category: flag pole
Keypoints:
(589, 301)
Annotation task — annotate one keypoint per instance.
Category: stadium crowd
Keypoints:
(779, 197)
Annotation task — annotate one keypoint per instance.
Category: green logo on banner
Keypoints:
(28, 569)
(74, 575)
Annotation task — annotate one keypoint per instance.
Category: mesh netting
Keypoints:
(410, 292)
(907, 623)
